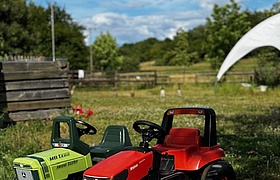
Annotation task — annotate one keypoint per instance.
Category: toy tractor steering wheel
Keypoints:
(152, 131)
(89, 129)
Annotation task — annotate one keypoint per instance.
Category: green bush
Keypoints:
(268, 69)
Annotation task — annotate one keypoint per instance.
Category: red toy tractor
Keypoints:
(181, 153)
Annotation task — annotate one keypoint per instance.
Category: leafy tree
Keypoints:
(26, 30)
(105, 53)
(166, 46)
(69, 40)
(129, 64)
(197, 43)
(180, 54)
(149, 49)
(274, 10)
(39, 31)
(130, 51)
(223, 30)
(143, 51)
(13, 22)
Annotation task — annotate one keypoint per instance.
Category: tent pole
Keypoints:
(215, 84)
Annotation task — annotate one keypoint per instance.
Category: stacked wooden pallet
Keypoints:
(33, 90)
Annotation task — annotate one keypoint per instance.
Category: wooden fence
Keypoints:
(230, 77)
(41, 89)
(112, 79)
(33, 90)
(152, 78)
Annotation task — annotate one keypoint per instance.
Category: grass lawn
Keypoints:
(248, 123)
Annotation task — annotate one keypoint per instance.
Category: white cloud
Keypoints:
(130, 21)
(208, 4)
(132, 29)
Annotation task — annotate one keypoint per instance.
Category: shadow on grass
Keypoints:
(254, 146)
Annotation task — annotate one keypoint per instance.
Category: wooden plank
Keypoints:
(26, 75)
(180, 76)
(34, 84)
(35, 105)
(36, 115)
(106, 80)
(32, 65)
(34, 95)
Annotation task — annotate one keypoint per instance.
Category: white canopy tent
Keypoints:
(266, 33)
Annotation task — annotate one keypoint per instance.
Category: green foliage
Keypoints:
(268, 70)
(197, 41)
(274, 10)
(105, 52)
(226, 25)
(39, 31)
(166, 46)
(129, 64)
(26, 30)
(13, 25)
(148, 49)
(180, 53)
(143, 51)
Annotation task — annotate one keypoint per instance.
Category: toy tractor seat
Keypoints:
(181, 138)
(115, 138)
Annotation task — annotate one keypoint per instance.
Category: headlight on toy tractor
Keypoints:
(31, 169)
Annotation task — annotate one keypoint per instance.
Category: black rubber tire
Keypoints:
(220, 170)
(76, 176)
(2, 124)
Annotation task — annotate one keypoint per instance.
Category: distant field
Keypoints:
(248, 123)
(244, 65)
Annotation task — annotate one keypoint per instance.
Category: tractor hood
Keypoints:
(55, 163)
(56, 155)
(134, 163)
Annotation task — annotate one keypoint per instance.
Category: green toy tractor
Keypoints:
(70, 156)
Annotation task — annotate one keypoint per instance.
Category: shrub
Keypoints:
(267, 71)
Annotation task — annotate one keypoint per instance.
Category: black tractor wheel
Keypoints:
(220, 170)
(2, 124)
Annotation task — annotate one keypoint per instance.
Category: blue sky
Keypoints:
(130, 21)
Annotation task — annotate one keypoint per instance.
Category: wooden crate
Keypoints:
(33, 90)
